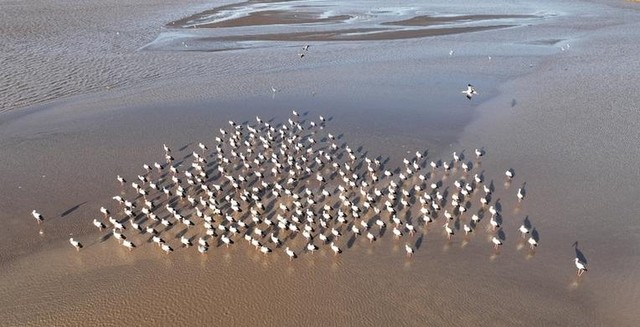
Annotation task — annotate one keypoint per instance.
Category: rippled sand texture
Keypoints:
(225, 27)
(40, 41)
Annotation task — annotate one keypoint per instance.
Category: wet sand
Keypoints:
(562, 119)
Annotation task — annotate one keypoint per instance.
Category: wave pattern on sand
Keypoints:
(231, 27)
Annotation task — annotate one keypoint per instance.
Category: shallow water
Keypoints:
(259, 24)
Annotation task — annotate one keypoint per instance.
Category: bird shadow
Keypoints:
(498, 205)
(352, 240)
(498, 219)
(579, 253)
(535, 235)
(513, 103)
(181, 233)
(106, 237)
(72, 209)
(383, 230)
(501, 235)
(419, 241)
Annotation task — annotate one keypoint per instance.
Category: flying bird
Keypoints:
(470, 91)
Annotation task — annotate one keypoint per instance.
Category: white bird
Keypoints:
(355, 230)
(524, 230)
(274, 239)
(448, 215)
(185, 241)
(311, 247)
(532, 242)
(226, 240)
(496, 242)
(129, 245)
(323, 238)
(290, 253)
(467, 229)
(494, 223)
(135, 225)
(98, 224)
(520, 194)
(509, 173)
(37, 216)
(335, 249)
(78, 245)
(396, 232)
(470, 91)
(371, 237)
(264, 249)
(581, 267)
(119, 236)
(409, 249)
(203, 249)
(448, 230)
(479, 153)
(166, 248)
(475, 218)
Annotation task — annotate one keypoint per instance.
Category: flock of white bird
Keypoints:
(269, 184)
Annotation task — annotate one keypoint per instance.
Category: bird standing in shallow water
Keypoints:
(409, 249)
(37, 216)
(581, 267)
(524, 230)
(335, 249)
(496, 242)
(290, 253)
(448, 230)
(509, 173)
(99, 224)
(520, 194)
(78, 245)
